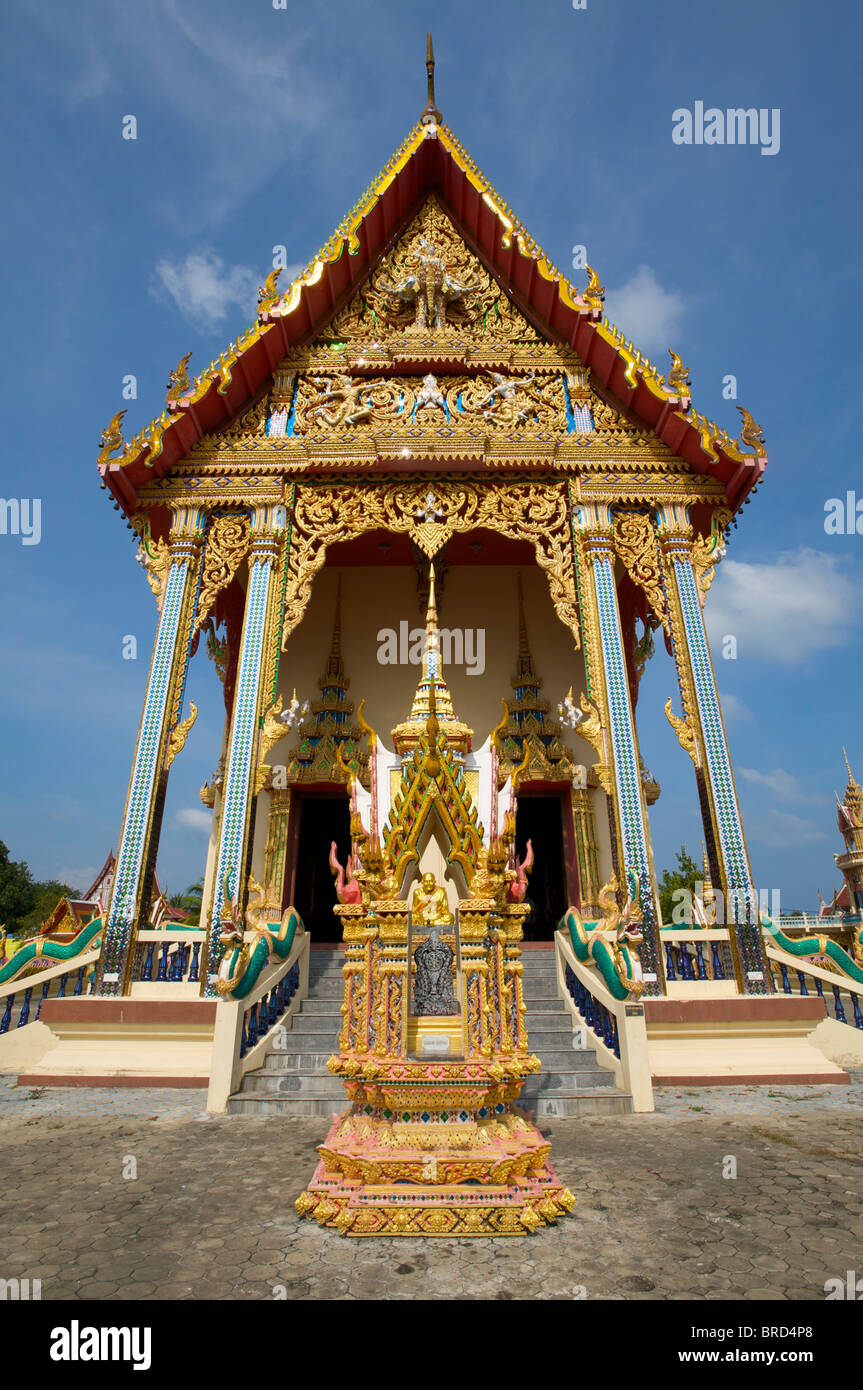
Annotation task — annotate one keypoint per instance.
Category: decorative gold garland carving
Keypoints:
(227, 545)
(635, 543)
(524, 511)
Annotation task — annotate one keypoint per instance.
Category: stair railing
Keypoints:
(615, 1028)
(61, 980)
(800, 976)
(248, 1028)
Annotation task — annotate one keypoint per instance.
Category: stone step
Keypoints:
(568, 1059)
(307, 1045)
(317, 1023)
(296, 1084)
(568, 1080)
(259, 1103)
(328, 1007)
(278, 1062)
(576, 1103)
(541, 1040)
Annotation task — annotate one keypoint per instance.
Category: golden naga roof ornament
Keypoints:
(268, 294)
(431, 115)
(678, 376)
(112, 437)
(178, 381)
(594, 294)
(752, 435)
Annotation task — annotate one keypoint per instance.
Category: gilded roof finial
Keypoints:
(851, 781)
(431, 115)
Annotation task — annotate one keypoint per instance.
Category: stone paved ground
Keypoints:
(211, 1215)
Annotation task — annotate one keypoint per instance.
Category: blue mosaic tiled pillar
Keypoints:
(267, 528)
(599, 608)
(698, 685)
(162, 700)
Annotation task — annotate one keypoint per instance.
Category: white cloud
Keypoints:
(79, 879)
(194, 818)
(782, 830)
(649, 315)
(204, 289)
(784, 610)
(734, 710)
(782, 785)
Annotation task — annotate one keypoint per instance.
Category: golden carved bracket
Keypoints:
(684, 731)
(535, 512)
(635, 543)
(227, 546)
(177, 741)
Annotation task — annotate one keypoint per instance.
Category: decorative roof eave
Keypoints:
(430, 159)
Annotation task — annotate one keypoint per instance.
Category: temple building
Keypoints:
(430, 513)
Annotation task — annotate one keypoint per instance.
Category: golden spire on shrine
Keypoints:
(432, 690)
(853, 802)
(431, 115)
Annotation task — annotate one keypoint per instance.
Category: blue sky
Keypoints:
(259, 127)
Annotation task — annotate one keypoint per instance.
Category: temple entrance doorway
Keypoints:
(320, 818)
(539, 819)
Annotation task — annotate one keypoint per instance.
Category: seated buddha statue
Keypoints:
(429, 905)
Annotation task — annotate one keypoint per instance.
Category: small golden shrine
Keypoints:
(434, 1048)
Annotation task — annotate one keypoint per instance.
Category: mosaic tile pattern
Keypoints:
(244, 732)
(730, 828)
(715, 746)
(144, 772)
(627, 774)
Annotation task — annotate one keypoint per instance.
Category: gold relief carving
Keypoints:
(153, 556)
(227, 544)
(635, 543)
(684, 731)
(431, 283)
(177, 741)
(512, 402)
(522, 511)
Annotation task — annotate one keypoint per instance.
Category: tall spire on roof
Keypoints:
(431, 115)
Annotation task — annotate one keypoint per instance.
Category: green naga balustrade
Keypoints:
(816, 946)
(52, 952)
(615, 963)
(243, 962)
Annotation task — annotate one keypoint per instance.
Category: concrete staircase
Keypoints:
(571, 1081)
(296, 1081)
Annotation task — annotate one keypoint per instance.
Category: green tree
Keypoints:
(190, 901)
(17, 891)
(686, 875)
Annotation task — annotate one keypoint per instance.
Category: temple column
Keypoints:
(608, 690)
(253, 693)
(139, 837)
(702, 733)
